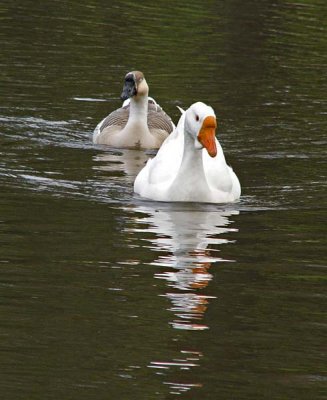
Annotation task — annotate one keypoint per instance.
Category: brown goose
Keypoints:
(139, 123)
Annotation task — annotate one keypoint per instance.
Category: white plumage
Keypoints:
(190, 165)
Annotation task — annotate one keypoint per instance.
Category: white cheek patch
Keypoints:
(197, 144)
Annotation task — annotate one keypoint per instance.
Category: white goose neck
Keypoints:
(190, 183)
(192, 157)
(192, 164)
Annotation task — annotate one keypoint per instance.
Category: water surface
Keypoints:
(104, 295)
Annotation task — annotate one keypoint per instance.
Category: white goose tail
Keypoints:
(181, 110)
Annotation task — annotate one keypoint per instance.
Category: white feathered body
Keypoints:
(181, 172)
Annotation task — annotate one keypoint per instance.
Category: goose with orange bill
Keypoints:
(190, 165)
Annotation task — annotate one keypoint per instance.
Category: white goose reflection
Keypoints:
(190, 236)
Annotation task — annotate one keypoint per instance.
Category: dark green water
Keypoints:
(105, 296)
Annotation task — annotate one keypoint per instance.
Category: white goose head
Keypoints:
(135, 86)
(200, 124)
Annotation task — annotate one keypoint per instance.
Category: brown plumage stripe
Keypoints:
(157, 118)
(118, 117)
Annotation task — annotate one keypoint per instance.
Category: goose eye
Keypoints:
(197, 118)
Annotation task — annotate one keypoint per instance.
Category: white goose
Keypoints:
(139, 123)
(190, 165)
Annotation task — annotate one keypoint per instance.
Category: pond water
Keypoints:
(106, 296)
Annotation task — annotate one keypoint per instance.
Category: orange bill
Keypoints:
(207, 135)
